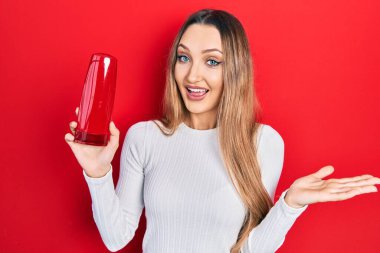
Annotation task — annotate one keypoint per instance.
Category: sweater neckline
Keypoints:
(190, 130)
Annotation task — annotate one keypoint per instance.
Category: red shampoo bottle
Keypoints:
(97, 101)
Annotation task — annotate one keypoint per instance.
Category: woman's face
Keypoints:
(199, 63)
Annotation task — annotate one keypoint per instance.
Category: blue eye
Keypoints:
(180, 56)
(215, 62)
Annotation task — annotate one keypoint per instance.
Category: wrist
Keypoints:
(289, 200)
(99, 173)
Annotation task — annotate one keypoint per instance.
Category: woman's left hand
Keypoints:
(312, 189)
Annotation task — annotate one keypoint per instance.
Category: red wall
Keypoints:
(317, 76)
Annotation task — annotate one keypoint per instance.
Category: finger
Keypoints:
(338, 190)
(324, 172)
(114, 138)
(69, 138)
(350, 179)
(73, 125)
(369, 181)
(353, 192)
(76, 111)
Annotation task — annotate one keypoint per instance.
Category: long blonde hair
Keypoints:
(238, 107)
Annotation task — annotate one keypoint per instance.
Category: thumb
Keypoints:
(324, 171)
(114, 138)
(69, 138)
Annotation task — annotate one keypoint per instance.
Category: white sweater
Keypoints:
(190, 203)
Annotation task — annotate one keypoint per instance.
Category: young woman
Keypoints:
(207, 171)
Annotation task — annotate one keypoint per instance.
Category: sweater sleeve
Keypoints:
(269, 235)
(117, 212)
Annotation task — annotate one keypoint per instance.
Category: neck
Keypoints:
(202, 121)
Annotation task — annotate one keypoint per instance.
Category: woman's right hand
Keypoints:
(95, 160)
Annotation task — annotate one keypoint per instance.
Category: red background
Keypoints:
(317, 76)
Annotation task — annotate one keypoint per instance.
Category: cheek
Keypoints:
(179, 72)
(176, 73)
(178, 81)
(216, 80)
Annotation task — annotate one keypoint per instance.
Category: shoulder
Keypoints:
(270, 154)
(138, 126)
(269, 137)
(142, 131)
(134, 143)
(136, 133)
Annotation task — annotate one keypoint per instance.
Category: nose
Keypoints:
(194, 74)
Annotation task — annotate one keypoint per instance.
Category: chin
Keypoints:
(197, 109)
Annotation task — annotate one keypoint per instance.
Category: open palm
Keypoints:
(312, 188)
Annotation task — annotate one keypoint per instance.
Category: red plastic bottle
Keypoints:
(97, 101)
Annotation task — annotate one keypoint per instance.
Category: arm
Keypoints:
(270, 234)
(117, 212)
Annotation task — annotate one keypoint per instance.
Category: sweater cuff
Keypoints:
(98, 180)
(288, 209)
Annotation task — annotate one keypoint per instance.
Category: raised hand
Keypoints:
(95, 160)
(312, 188)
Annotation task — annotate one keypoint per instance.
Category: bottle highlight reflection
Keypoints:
(96, 105)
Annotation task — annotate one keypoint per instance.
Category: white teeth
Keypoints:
(197, 90)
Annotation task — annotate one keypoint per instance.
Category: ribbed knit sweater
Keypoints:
(191, 205)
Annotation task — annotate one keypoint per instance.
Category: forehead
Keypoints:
(198, 37)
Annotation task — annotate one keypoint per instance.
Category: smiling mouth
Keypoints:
(197, 91)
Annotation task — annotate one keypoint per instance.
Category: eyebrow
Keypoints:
(203, 51)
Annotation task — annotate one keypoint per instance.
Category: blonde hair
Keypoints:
(238, 107)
